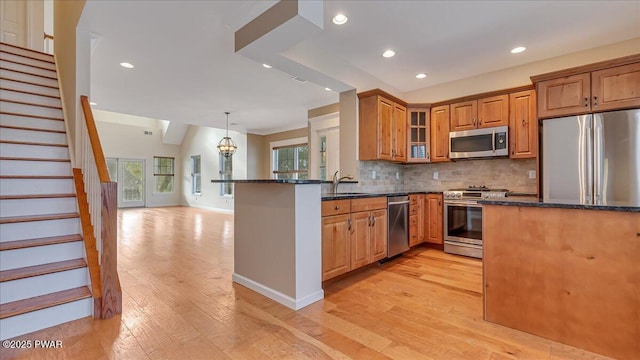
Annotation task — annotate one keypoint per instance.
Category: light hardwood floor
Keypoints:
(175, 267)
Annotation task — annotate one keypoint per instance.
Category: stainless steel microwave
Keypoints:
(479, 143)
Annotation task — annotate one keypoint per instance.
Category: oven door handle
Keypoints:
(462, 203)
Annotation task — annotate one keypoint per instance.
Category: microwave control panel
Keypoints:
(501, 140)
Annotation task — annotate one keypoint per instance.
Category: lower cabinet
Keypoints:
(417, 219)
(354, 240)
(434, 218)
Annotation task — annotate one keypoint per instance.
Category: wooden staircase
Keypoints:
(44, 279)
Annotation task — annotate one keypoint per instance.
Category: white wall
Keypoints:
(122, 136)
(203, 141)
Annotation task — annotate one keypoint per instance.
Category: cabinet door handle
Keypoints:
(480, 121)
(337, 207)
(586, 103)
(374, 220)
(369, 219)
(349, 224)
(474, 122)
(439, 203)
(428, 156)
(595, 101)
(524, 123)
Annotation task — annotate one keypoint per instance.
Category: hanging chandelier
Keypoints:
(226, 146)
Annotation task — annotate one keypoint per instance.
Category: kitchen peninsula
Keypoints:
(565, 271)
(277, 244)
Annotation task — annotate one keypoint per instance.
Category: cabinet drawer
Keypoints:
(367, 204)
(336, 207)
(413, 220)
(413, 199)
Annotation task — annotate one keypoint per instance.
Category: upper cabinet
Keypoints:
(523, 125)
(481, 113)
(604, 86)
(382, 127)
(440, 133)
(418, 132)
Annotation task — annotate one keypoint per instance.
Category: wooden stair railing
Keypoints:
(97, 201)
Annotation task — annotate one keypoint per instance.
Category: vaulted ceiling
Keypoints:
(186, 68)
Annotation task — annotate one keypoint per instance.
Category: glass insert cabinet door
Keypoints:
(418, 133)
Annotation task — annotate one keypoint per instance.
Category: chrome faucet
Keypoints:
(336, 181)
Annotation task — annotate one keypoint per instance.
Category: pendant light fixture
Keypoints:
(226, 146)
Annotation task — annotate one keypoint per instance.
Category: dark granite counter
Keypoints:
(563, 204)
(270, 181)
(368, 195)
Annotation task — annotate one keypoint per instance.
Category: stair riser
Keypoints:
(13, 259)
(41, 319)
(35, 123)
(40, 285)
(36, 186)
(43, 168)
(7, 74)
(24, 207)
(43, 90)
(30, 110)
(39, 229)
(27, 68)
(45, 57)
(34, 151)
(29, 61)
(33, 136)
(34, 99)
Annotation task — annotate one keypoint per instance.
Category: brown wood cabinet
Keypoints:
(523, 125)
(382, 127)
(336, 257)
(486, 112)
(416, 219)
(434, 218)
(354, 239)
(418, 132)
(610, 85)
(615, 88)
(440, 133)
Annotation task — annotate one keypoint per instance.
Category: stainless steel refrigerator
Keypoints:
(592, 159)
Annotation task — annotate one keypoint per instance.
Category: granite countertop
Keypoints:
(339, 196)
(561, 203)
(270, 181)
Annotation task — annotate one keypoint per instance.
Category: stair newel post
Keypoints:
(111, 292)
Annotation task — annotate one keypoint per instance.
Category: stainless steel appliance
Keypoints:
(592, 159)
(462, 220)
(479, 143)
(398, 229)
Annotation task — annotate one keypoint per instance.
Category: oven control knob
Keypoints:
(458, 195)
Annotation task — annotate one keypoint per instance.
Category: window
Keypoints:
(196, 182)
(226, 173)
(163, 171)
(112, 167)
(291, 162)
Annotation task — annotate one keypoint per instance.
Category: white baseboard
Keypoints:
(277, 296)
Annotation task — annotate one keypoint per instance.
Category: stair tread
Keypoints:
(28, 73)
(32, 129)
(35, 196)
(34, 159)
(22, 244)
(37, 177)
(31, 143)
(31, 116)
(32, 104)
(28, 92)
(36, 270)
(30, 65)
(28, 82)
(27, 218)
(44, 301)
(26, 49)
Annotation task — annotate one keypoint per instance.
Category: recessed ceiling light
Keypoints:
(518, 49)
(267, 66)
(340, 19)
(389, 53)
(421, 76)
(327, 89)
(92, 103)
(126, 65)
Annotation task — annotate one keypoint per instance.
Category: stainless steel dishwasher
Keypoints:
(398, 214)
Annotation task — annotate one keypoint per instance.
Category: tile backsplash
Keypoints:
(494, 173)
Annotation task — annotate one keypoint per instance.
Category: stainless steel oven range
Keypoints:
(463, 219)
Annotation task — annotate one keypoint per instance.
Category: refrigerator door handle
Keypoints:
(586, 160)
(597, 158)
